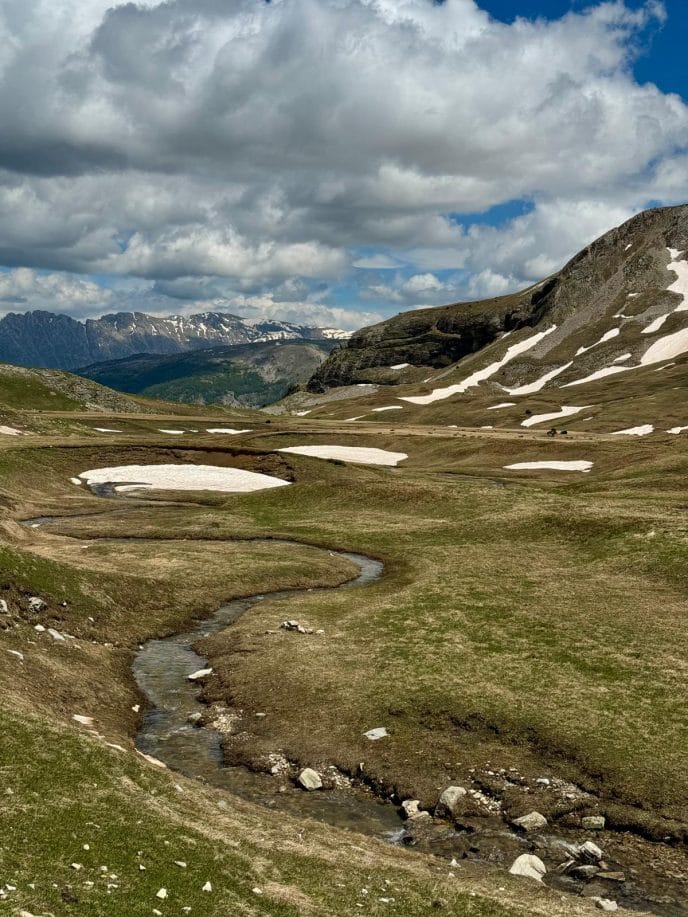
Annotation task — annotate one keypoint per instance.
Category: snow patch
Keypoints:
(539, 384)
(607, 336)
(666, 348)
(400, 366)
(504, 404)
(391, 407)
(480, 375)
(9, 431)
(676, 430)
(172, 432)
(642, 430)
(229, 430)
(582, 465)
(356, 454)
(565, 411)
(105, 430)
(599, 374)
(181, 477)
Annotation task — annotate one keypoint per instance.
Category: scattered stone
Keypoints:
(16, 653)
(4, 609)
(290, 625)
(590, 852)
(84, 720)
(606, 904)
(449, 801)
(161, 893)
(180, 863)
(584, 872)
(39, 628)
(76, 866)
(533, 821)
(310, 779)
(410, 808)
(36, 604)
(207, 887)
(608, 876)
(56, 635)
(257, 891)
(136, 708)
(529, 866)
(593, 822)
(201, 673)
(374, 734)
(194, 718)
(543, 781)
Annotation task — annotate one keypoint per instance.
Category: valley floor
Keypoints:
(526, 641)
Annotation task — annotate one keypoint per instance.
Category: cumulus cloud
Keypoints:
(23, 288)
(252, 148)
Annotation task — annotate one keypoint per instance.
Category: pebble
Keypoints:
(201, 673)
(207, 887)
(379, 732)
(161, 893)
(590, 852)
(606, 904)
(180, 863)
(593, 822)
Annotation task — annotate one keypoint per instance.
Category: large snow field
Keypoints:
(181, 477)
(356, 454)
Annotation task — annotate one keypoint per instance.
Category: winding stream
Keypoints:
(161, 669)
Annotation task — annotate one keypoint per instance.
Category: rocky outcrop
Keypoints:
(630, 260)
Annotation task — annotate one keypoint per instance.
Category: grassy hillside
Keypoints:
(250, 375)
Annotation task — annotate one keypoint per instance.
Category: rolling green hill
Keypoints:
(250, 375)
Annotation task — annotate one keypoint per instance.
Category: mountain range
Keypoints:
(47, 339)
(245, 375)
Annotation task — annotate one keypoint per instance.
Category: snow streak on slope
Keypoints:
(480, 375)
(565, 411)
(607, 336)
(532, 387)
(680, 286)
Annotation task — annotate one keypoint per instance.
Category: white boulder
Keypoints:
(529, 866)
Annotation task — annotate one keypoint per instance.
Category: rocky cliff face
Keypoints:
(625, 274)
(46, 339)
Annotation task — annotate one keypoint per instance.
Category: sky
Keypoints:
(329, 162)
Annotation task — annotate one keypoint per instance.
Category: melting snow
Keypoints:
(598, 374)
(676, 430)
(9, 431)
(667, 347)
(481, 374)
(173, 432)
(680, 286)
(182, 477)
(554, 466)
(607, 336)
(540, 383)
(400, 366)
(635, 431)
(105, 430)
(391, 407)
(504, 404)
(565, 411)
(230, 430)
(302, 413)
(356, 454)
(622, 358)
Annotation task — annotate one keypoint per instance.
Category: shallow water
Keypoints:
(161, 670)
